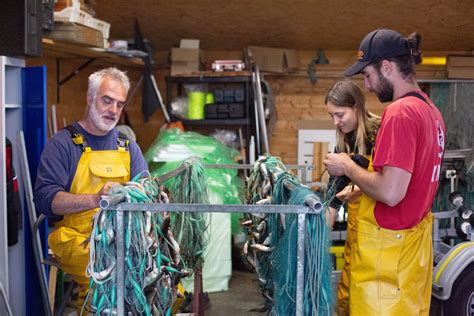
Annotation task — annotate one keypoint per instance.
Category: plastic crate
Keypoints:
(210, 111)
(236, 110)
(102, 26)
(74, 15)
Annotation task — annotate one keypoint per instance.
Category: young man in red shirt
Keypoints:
(391, 268)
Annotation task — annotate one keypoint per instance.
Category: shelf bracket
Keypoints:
(60, 82)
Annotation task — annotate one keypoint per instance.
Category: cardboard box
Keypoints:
(185, 54)
(460, 67)
(189, 43)
(184, 60)
(275, 59)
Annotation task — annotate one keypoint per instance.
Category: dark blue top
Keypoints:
(59, 161)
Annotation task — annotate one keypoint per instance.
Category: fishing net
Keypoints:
(153, 265)
(190, 187)
(169, 150)
(271, 248)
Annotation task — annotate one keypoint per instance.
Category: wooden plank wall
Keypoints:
(73, 95)
(296, 98)
(299, 101)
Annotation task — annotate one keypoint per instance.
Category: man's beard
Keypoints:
(384, 89)
(98, 120)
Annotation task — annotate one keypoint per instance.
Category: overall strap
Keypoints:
(122, 141)
(78, 138)
(417, 95)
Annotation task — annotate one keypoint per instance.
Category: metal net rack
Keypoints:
(312, 206)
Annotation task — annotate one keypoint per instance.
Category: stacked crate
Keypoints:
(75, 25)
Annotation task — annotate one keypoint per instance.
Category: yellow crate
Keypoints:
(338, 253)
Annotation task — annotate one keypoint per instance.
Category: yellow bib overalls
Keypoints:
(349, 247)
(68, 240)
(390, 269)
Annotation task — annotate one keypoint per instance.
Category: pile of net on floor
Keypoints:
(160, 247)
(271, 248)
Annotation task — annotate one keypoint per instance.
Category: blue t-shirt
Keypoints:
(59, 161)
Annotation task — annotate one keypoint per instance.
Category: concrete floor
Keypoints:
(241, 297)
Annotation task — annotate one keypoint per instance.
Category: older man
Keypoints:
(79, 164)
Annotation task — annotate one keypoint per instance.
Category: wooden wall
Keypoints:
(297, 100)
(301, 103)
(72, 103)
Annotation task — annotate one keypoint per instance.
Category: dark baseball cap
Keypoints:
(378, 45)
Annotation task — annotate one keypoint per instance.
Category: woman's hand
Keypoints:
(349, 194)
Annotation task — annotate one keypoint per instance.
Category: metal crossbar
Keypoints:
(313, 206)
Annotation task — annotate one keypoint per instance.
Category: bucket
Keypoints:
(196, 100)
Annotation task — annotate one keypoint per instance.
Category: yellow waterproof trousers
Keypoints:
(391, 270)
(349, 247)
(69, 240)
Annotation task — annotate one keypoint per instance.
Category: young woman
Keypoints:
(356, 128)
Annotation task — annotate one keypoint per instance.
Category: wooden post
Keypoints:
(198, 307)
(53, 273)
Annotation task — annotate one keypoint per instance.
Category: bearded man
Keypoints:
(78, 165)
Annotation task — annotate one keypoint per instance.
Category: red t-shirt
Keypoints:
(411, 137)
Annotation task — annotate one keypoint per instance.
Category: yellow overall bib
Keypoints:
(351, 237)
(390, 269)
(68, 240)
(349, 247)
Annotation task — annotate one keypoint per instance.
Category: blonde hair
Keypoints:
(346, 93)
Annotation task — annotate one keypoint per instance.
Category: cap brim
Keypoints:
(356, 68)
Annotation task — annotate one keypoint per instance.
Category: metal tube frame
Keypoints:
(122, 207)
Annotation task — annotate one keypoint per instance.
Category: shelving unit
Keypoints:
(22, 107)
(215, 80)
(11, 258)
(60, 49)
